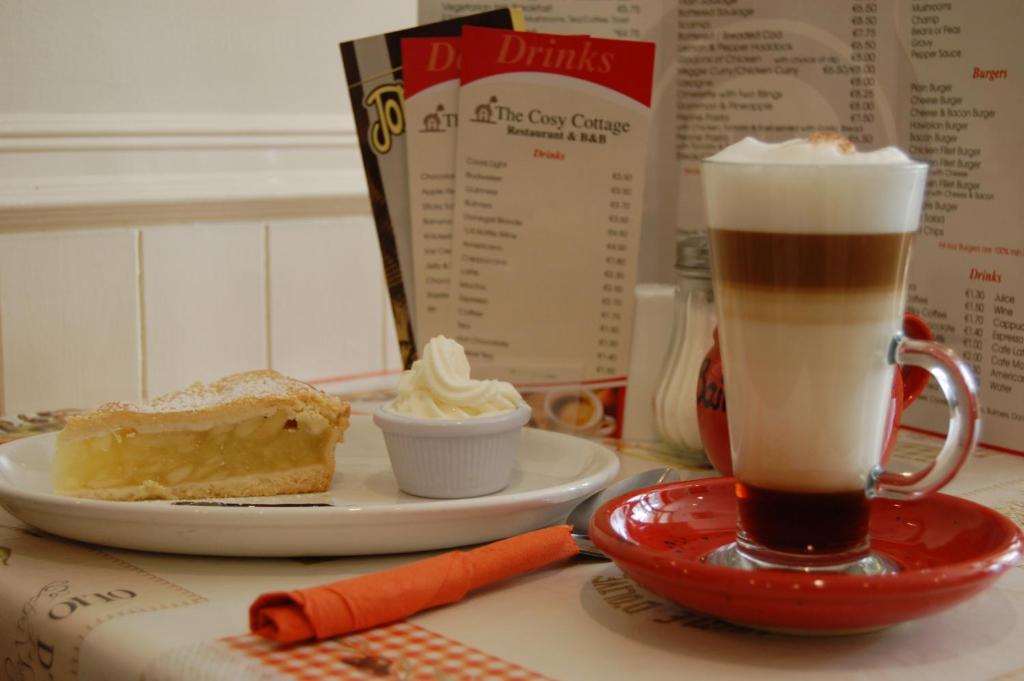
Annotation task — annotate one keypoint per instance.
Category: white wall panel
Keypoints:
(326, 287)
(68, 319)
(229, 56)
(204, 303)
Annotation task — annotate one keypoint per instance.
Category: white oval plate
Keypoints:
(368, 515)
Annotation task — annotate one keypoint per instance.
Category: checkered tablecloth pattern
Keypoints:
(399, 651)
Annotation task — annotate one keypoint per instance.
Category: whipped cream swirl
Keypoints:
(438, 386)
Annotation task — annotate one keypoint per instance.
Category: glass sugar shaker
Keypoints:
(675, 401)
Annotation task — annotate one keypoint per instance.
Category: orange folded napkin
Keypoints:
(370, 600)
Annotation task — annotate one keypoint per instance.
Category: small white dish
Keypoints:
(366, 512)
(452, 458)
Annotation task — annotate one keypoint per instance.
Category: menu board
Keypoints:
(935, 79)
(964, 108)
(939, 79)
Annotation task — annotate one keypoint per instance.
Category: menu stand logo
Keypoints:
(386, 101)
(484, 113)
(439, 121)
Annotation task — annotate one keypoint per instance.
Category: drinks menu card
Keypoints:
(549, 178)
(939, 79)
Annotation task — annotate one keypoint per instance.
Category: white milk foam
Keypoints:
(817, 150)
(780, 187)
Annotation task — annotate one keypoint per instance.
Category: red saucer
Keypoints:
(948, 548)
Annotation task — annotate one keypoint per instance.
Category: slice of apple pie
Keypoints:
(251, 434)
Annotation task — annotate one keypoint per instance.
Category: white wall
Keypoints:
(181, 196)
(183, 56)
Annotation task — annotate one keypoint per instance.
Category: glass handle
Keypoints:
(961, 391)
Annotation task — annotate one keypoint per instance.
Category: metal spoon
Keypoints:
(580, 516)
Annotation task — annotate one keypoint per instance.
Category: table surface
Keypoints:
(71, 610)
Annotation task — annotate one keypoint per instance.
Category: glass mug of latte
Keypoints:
(810, 241)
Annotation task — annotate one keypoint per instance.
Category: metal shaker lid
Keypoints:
(692, 256)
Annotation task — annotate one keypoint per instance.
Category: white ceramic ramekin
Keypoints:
(452, 459)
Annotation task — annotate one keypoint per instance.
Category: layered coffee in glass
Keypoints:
(810, 244)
